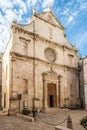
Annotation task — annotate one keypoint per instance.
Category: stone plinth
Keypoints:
(61, 128)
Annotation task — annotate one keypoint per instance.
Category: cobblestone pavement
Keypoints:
(15, 123)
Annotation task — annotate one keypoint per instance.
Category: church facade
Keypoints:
(40, 66)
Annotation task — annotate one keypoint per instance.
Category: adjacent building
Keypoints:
(0, 81)
(83, 80)
(40, 66)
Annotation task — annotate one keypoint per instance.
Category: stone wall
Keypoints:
(85, 79)
(0, 73)
(0, 80)
(6, 75)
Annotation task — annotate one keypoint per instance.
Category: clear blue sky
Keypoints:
(71, 13)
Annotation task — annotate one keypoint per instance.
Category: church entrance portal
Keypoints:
(52, 95)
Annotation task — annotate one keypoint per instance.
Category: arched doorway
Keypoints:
(51, 95)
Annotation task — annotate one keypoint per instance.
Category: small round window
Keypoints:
(50, 54)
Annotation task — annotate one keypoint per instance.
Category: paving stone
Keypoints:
(43, 121)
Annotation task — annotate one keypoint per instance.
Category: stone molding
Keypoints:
(15, 56)
(51, 73)
(19, 28)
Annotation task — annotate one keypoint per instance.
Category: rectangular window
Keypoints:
(50, 33)
(70, 58)
(25, 86)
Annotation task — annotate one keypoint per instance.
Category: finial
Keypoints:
(34, 10)
(14, 21)
(74, 46)
(49, 8)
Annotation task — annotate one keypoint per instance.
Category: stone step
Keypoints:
(54, 110)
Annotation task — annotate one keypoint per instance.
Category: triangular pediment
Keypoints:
(50, 73)
(49, 17)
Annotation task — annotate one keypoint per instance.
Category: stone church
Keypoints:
(40, 66)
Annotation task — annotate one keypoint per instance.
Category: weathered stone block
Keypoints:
(61, 128)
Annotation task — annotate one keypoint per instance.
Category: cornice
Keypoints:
(15, 55)
(38, 37)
